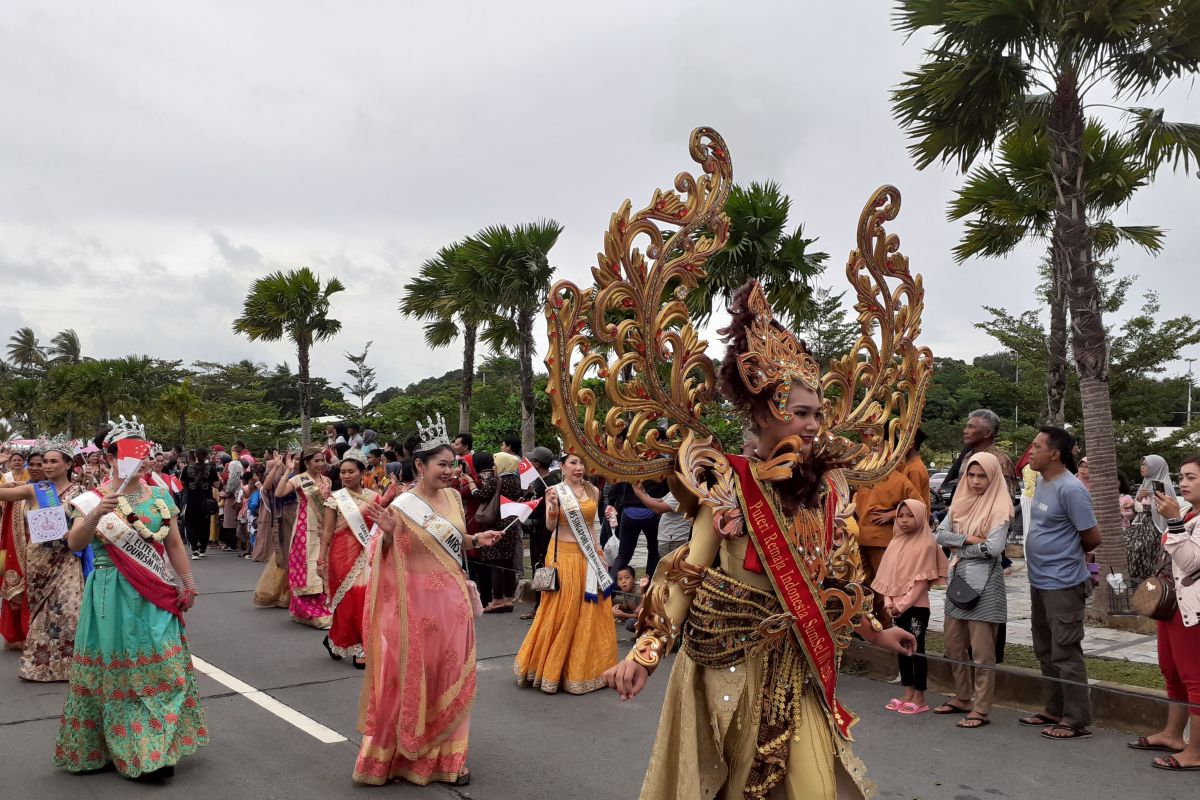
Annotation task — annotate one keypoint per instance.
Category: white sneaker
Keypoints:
(195, 557)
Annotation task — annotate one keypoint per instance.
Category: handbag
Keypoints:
(961, 594)
(545, 578)
(487, 516)
(476, 603)
(1155, 596)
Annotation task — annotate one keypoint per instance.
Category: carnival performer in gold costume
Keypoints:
(769, 592)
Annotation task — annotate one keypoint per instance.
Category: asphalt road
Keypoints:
(519, 737)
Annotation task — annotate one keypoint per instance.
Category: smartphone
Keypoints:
(1159, 487)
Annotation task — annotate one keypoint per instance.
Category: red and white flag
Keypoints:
(130, 455)
(521, 509)
(527, 472)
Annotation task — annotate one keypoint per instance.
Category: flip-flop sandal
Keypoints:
(1075, 733)
(1172, 763)
(908, 709)
(971, 723)
(528, 615)
(950, 708)
(894, 704)
(1038, 721)
(1142, 743)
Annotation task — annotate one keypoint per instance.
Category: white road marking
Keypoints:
(284, 712)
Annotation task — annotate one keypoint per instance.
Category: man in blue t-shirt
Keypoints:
(1062, 529)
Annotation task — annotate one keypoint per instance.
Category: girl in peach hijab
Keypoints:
(911, 564)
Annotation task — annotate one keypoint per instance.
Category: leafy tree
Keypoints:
(364, 384)
(294, 305)
(179, 404)
(24, 351)
(760, 247)
(515, 273)
(446, 295)
(974, 86)
(66, 349)
(830, 331)
(1014, 198)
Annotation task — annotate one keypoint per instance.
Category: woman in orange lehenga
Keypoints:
(573, 639)
(420, 683)
(344, 561)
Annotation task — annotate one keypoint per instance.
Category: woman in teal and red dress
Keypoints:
(132, 700)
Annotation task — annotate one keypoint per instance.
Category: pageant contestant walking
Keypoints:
(46, 583)
(132, 700)
(572, 641)
(344, 561)
(421, 611)
(308, 603)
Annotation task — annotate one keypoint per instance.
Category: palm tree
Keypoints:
(295, 305)
(975, 85)
(177, 405)
(515, 274)
(24, 351)
(445, 294)
(760, 247)
(1013, 199)
(65, 348)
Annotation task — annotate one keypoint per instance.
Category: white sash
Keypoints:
(443, 530)
(348, 507)
(162, 484)
(599, 582)
(119, 534)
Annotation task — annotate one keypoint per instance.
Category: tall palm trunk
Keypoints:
(1056, 345)
(1073, 251)
(525, 356)
(470, 331)
(303, 386)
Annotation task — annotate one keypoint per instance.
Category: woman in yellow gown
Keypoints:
(573, 639)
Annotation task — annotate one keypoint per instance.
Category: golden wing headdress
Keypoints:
(879, 386)
(629, 376)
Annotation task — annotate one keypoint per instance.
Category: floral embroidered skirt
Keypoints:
(132, 699)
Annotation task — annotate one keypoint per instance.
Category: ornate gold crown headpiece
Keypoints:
(433, 433)
(774, 359)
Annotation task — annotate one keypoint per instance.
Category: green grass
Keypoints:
(1129, 673)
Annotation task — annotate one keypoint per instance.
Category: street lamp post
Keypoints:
(1189, 402)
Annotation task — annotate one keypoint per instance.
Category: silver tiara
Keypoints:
(156, 450)
(432, 434)
(59, 444)
(124, 429)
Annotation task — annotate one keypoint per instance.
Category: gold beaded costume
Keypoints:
(750, 708)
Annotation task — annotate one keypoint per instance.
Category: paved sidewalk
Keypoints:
(1097, 640)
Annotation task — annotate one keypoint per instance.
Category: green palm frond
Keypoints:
(1106, 236)
(1161, 141)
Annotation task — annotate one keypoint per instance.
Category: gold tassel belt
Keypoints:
(730, 621)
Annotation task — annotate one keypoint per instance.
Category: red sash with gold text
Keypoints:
(795, 590)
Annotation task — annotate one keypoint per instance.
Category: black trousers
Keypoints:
(482, 575)
(195, 523)
(627, 533)
(914, 670)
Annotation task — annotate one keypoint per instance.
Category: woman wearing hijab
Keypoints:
(976, 528)
(1148, 526)
(911, 564)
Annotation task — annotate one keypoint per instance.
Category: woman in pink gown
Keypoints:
(308, 605)
(420, 683)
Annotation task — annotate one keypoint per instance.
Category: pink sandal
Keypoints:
(912, 708)
(894, 704)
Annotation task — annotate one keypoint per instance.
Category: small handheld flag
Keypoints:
(130, 455)
(527, 472)
(517, 508)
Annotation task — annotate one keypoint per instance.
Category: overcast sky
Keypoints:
(156, 158)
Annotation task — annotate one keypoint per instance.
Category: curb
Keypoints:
(1116, 706)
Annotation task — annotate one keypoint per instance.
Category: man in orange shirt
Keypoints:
(914, 469)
